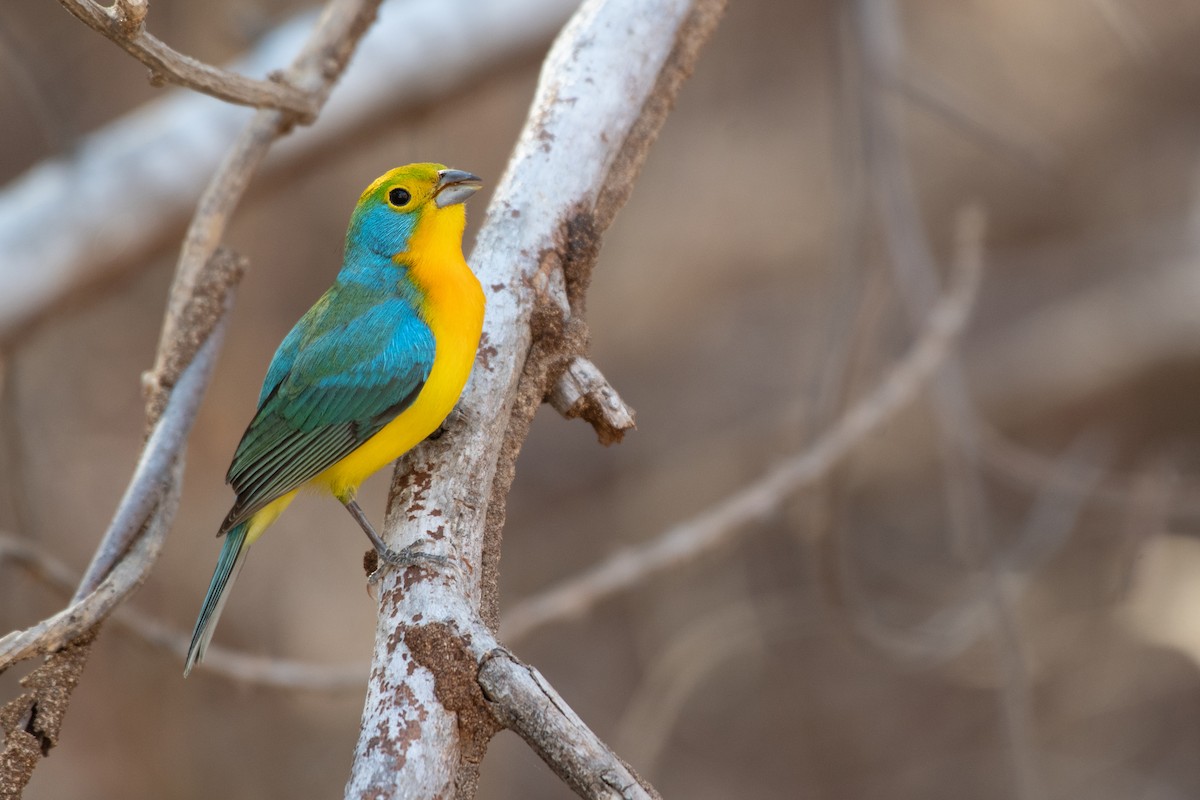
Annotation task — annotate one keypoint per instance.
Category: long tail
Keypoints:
(233, 555)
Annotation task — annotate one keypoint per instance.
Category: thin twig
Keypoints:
(316, 68)
(161, 450)
(718, 525)
(73, 222)
(123, 23)
(243, 667)
(196, 306)
(234, 665)
(82, 616)
(159, 470)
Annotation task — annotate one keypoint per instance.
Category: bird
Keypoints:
(372, 369)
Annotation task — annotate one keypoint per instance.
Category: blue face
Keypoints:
(381, 229)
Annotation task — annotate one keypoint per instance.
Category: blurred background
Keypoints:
(996, 596)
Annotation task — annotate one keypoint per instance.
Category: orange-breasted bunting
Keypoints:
(373, 368)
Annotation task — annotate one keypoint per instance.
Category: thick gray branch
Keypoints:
(604, 92)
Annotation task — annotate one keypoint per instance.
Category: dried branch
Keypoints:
(526, 702)
(582, 391)
(234, 665)
(141, 176)
(82, 615)
(605, 90)
(124, 24)
(116, 570)
(196, 305)
(720, 524)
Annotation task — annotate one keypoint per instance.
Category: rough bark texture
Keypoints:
(605, 89)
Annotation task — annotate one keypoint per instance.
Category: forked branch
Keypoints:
(124, 23)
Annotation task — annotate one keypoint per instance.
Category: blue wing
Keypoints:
(335, 381)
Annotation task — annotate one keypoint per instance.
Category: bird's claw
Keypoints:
(406, 556)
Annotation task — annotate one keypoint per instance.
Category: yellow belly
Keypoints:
(436, 400)
(453, 309)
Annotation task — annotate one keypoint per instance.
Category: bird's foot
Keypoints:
(407, 556)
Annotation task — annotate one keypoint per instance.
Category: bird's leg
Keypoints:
(404, 557)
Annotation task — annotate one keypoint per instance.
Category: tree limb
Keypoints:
(197, 302)
(605, 89)
(234, 665)
(718, 525)
(73, 221)
(524, 700)
(124, 24)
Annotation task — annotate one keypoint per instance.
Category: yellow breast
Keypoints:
(453, 308)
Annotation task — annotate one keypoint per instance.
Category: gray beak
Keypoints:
(455, 186)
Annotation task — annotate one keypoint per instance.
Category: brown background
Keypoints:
(723, 302)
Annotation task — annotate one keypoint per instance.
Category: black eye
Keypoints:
(399, 197)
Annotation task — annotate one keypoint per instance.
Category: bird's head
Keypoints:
(410, 208)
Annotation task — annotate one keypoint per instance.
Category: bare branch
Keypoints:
(243, 667)
(207, 318)
(234, 665)
(123, 24)
(157, 476)
(197, 303)
(572, 168)
(81, 616)
(146, 170)
(525, 701)
(720, 524)
(582, 391)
